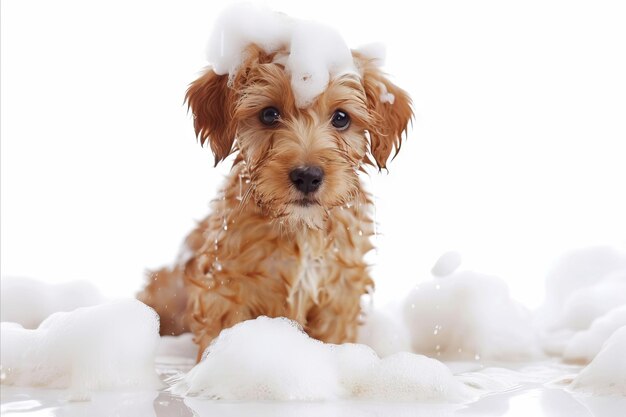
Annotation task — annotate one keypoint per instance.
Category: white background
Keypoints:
(517, 152)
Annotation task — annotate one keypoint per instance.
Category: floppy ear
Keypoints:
(390, 110)
(212, 103)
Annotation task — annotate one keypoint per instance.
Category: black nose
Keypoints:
(307, 179)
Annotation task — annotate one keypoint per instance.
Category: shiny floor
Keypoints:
(532, 396)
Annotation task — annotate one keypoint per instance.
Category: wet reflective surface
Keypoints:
(529, 390)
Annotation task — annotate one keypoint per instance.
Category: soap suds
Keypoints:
(28, 302)
(468, 315)
(583, 285)
(104, 347)
(316, 53)
(606, 374)
(273, 359)
(383, 333)
(583, 346)
(575, 294)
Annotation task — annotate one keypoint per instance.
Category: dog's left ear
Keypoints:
(212, 102)
(389, 108)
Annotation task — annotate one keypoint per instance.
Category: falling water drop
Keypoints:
(240, 196)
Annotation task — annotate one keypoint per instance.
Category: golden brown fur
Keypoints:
(259, 252)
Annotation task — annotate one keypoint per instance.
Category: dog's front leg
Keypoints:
(211, 311)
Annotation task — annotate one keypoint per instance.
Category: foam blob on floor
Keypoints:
(583, 346)
(582, 285)
(108, 346)
(313, 53)
(273, 359)
(28, 302)
(181, 346)
(384, 333)
(606, 374)
(467, 315)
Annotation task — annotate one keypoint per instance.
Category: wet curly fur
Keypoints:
(262, 251)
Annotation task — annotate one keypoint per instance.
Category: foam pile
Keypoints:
(606, 374)
(383, 333)
(108, 346)
(585, 302)
(583, 285)
(273, 359)
(28, 301)
(586, 344)
(467, 315)
(316, 53)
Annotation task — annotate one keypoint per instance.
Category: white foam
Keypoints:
(376, 52)
(108, 346)
(28, 302)
(273, 359)
(590, 302)
(181, 346)
(446, 264)
(383, 333)
(263, 359)
(585, 345)
(606, 374)
(468, 315)
(317, 53)
(571, 300)
(582, 286)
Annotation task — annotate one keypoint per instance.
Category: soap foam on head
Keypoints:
(317, 53)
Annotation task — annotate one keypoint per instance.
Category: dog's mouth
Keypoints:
(305, 202)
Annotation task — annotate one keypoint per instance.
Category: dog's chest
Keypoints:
(308, 276)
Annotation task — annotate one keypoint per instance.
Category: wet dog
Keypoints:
(289, 230)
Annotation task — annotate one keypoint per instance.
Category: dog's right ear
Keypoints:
(212, 104)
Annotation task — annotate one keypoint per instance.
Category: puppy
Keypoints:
(289, 230)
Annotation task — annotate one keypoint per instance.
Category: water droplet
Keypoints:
(460, 350)
(240, 196)
(438, 347)
(477, 357)
(413, 306)
(360, 232)
(217, 266)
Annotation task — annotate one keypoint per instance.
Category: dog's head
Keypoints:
(301, 162)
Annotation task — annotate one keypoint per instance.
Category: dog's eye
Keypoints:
(269, 116)
(340, 120)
